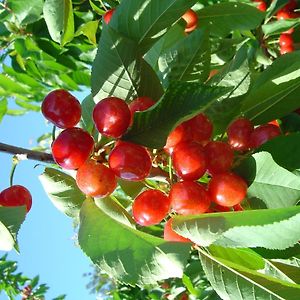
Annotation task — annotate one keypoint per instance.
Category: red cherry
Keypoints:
(200, 128)
(284, 14)
(191, 19)
(262, 134)
(16, 195)
(111, 117)
(72, 148)
(291, 5)
(150, 207)
(238, 133)
(171, 235)
(189, 161)
(107, 16)
(238, 207)
(220, 208)
(140, 104)
(219, 157)
(285, 40)
(227, 189)
(261, 5)
(61, 108)
(95, 179)
(274, 122)
(286, 49)
(130, 161)
(189, 198)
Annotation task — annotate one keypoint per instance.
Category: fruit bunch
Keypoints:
(190, 146)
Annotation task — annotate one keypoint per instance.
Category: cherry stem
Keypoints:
(15, 162)
(53, 133)
(28, 154)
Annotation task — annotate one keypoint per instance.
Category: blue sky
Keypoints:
(46, 237)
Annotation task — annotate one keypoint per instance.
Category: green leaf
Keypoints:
(275, 91)
(3, 108)
(96, 9)
(120, 71)
(89, 29)
(188, 60)
(87, 107)
(180, 102)
(27, 105)
(284, 254)
(274, 185)
(232, 281)
(59, 18)
(62, 191)
(126, 254)
(11, 86)
(11, 219)
(222, 18)
(268, 228)
(144, 22)
(279, 26)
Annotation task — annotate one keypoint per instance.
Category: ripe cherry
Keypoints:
(262, 134)
(111, 117)
(95, 179)
(140, 104)
(261, 5)
(61, 108)
(191, 19)
(189, 161)
(284, 14)
(150, 207)
(72, 148)
(219, 157)
(171, 235)
(130, 161)
(108, 15)
(238, 133)
(291, 5)
(285, 40)
(189, 198)
(286, 49)
(16, 195)
(227, 189)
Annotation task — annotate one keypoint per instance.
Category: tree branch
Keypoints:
(29, 154)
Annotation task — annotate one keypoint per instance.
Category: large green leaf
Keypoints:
(268, 228)
(232, 281)
(180, 102)
(59, 18)
(284, 254)
(279, 26)
(222, 18)
(274, 185)
(126, 254)
(3, 108)
(276, 90)
(144, 21)
(11, 219)
(188, 60)
(11, 87)
(62, 191)
(120, 71)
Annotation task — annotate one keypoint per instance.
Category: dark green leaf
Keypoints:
(284, 254)
(87, 107)
(279, 26)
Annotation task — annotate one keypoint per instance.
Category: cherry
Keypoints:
(189, 198)
(107, 16)
(111, 117)
(140, 104)
(291, 5)
(200, 128)
(261, 5)
(150, 207)
(191, 19)
(285, 14)
(227, 189)
(16, 195)
(286, 49)
(189, 161)
(285, 40)
(72, 148)
(220, 208)
(171, 235)
(219, 157)
(262, 134)
(238, 207)
(130, 161)
(274, 122)
(61, 108)
(238, 133)
(95, 179)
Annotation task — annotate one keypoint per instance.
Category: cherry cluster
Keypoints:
(193, 155)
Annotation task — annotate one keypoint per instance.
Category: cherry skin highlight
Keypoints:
(238, 133)
(189, 161)
(95, 179)
(189, 198)
(140, 104)
(16, 195)
(261, 5)
(111, 117)
(72, 148)
(219, 157)
(287, 49)
(286, 40)
(108, 15)
(171, 235)
(227, 189)
(130, 161)
(61, 108)
(191, 19)
(150, 207)
(262, 134)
